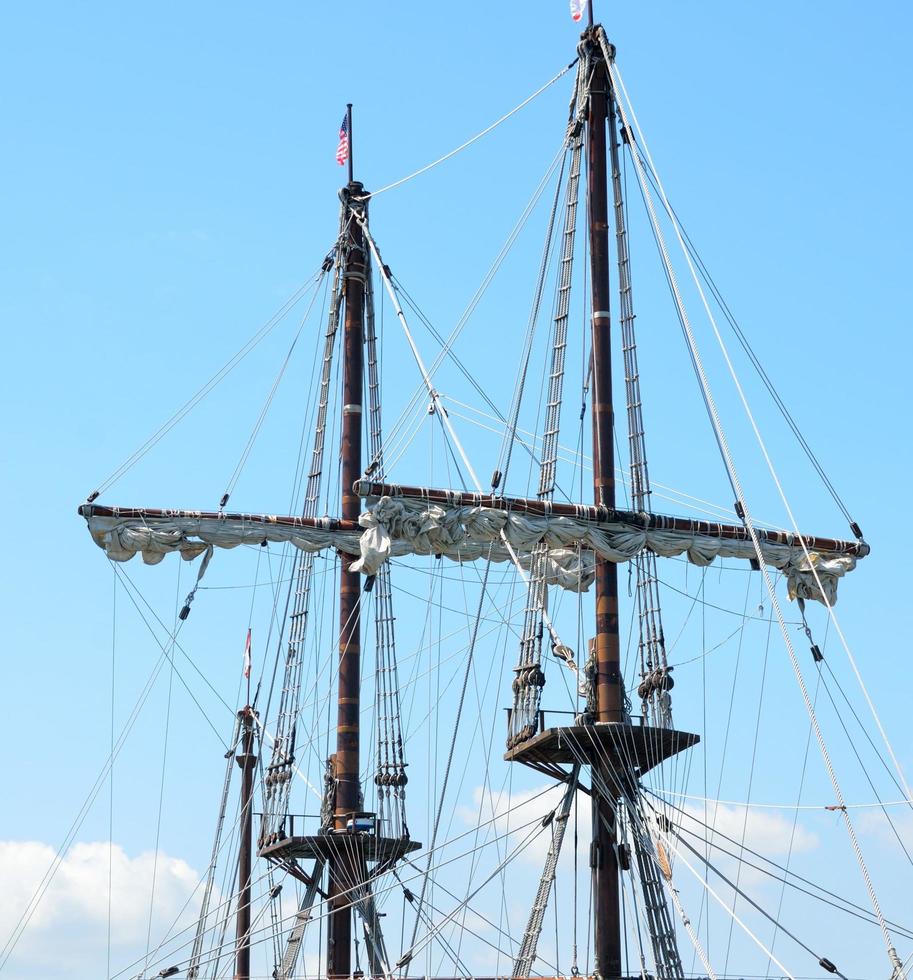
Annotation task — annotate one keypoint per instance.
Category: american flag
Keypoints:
(577, 9)
(247, 657)
(342, 150)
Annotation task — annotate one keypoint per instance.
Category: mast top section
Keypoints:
(351, 155)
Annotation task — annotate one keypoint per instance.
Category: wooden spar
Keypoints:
(247, 761)
(268, 520)
(609, 690)
(609, 515)
(518, 505)
(342, 869)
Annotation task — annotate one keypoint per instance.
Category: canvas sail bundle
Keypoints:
(394, 526)
(404, 525)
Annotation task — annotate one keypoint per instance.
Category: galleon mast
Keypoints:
(609, 691)
(342, 871)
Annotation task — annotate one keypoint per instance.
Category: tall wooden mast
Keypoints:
(343, 870)
(247, 760)
(610, 695)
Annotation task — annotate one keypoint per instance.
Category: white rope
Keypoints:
(763, 447)
(435, 397)
(439, 406)
(295, 768)
(579, 458)
(290, 916)
(731, 912)
(636, 817)
(779, 806)
(202, 392)
(749, 524)
(476, 299)
(473, 139)
(692, 935)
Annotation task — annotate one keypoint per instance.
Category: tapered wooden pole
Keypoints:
(610, 699)
(342, 870)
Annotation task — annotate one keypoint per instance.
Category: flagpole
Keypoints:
(349, 120)
(247, 663)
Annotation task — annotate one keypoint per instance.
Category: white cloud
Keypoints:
(67, 933)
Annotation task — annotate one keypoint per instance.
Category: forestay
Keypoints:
(396, 525)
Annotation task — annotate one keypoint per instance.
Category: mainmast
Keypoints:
(343, 869)
(609, 691)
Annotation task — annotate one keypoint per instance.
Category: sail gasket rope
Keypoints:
(897, 966)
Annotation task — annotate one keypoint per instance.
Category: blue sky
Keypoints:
(169, 180)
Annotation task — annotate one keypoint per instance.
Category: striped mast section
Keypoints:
(609, 692)
(343, 870)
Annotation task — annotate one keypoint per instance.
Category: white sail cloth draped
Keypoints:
(397, 526)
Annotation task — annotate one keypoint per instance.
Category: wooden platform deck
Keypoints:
(364, 847)
(627, 749)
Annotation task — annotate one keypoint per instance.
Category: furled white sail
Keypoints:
(394, 526)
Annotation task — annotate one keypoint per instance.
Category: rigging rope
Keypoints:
(111, 774)
(202, 392)
(767, 458)
(35, 900)
(536, 821)
(390, 774)
(656, 681)
(756, 363)
(849, 907)
(277, 783)
(261, 418)
(734, 479)
(473, 139)
(529, 677)
(447, 346)
(456, 727)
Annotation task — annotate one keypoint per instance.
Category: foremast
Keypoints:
(606, 646)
